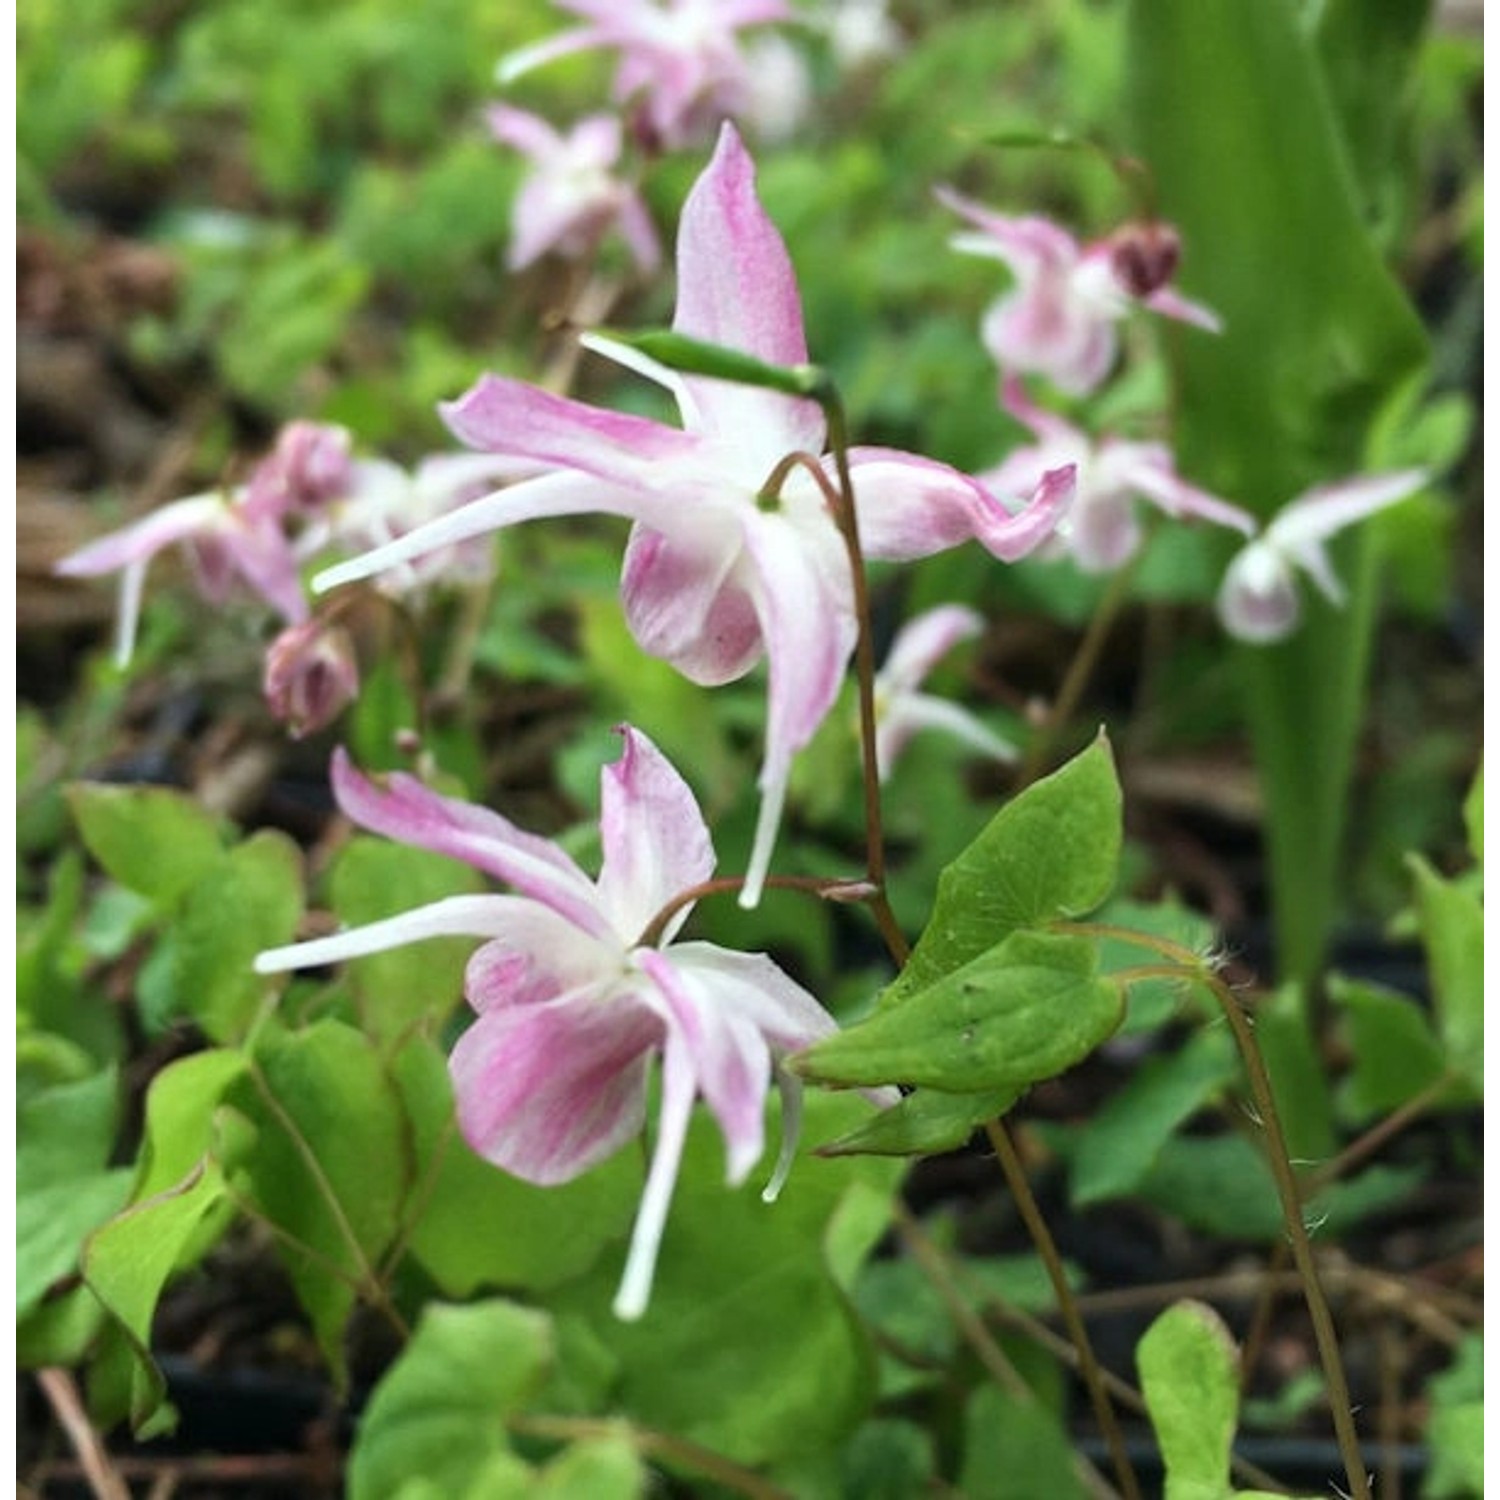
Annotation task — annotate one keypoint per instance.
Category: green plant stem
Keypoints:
(676, 1450)
(934, 1266)
(1080, 670)
(1287, 1187)
(1088, 1363)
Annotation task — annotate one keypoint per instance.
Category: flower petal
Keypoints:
(912, 507)
(911, 713)
(1026, 244)
(656, 844)
(923, 642)
(1172, 304)
(730, 1059)
(755, 988)
(1258, 599)
(687, 599)
(548, 1091)
(803, 600)
(736, 287)
(401, 807)
(485, 916)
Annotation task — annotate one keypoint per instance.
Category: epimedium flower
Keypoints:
(722, 567)
(902, 710)
(681, 62)
(311, 675)
(1102, 530)
(1059, 318)
(573, 1002)
(571, 196)
(1259, 599)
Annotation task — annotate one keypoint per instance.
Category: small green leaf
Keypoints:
(180, 1108)
(64, 1186)
(1051, 852)
(1122, 1142)
(1474, 817)
(155, 841)
(1026, 1010)
(128, 1262)
(1452, 923)
(696, 357)
(924, 1123)
(1189, 1371)
(244, 903)
(603, 1468)
(439, 1413)
(327, 1165)
(1005, 1437)
(1392, 1044)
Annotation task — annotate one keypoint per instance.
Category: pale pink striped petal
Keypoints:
(910, 714)
(548, 1091)
(656, 844)
(143, 539)
(535, 955)
(757, 990)
(923, 642)
(1171, 304)
(911, 507)
(1027, 243)
(401, 807)
(736, 287)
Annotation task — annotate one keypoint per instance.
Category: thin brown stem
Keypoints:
(1377, 1135)
(104, 1479)
(933, 1264)
(665, 1445)
(1088, 1363)
(728, 885)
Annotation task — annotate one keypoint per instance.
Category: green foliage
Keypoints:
(1455, 1426)
(1189, 1371)
(155, 841)
(1015, 1447)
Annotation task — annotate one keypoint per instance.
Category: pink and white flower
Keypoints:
(572, 1007)
(1259, 601)
(1059, 318)
(1102, 530)
(681, 61)
(571, 197)
(902, 711)
(311, 675)
(718, 572)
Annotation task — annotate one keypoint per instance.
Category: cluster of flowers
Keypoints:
(733, 556)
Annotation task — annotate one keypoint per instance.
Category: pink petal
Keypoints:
(730, 1059)
(1171, 304)
(923, 642)
(754, 988)
(1051, 429)
(1147, 469)
(656, 844)
(1258, 599)
(535, 955)
(143, 539)
(1044, 328)
(401, 807)
(457, 916)
(911, 713)
(1104, 530)
(736, 287)
(912, 507)
(806, 614)
(687, 600)
(520, 128)
(1328, 508)
(1026, 244)
(548, 1091)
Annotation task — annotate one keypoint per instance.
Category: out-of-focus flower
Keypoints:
(311, 673)
(1259, 601)
(718, 571)
(681, 61)
(228, 538)
(571, 197)
(309, 467)
(1059, 318)
(859, 32)
(901, 710)
(1102, 530)
(551, 1078)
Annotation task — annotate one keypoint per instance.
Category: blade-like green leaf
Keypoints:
(924, 1123)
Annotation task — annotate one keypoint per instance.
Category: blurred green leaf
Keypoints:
(924, 1123)
(1189, 1370)
(1395, 1053)
(157, 842)
(439, 1413)
(1452, 924)
(1014, 1448)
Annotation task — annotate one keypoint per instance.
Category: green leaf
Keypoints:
(1474, 817)
(750, 1346)
(127, 1264)
(924, 1123)
(439, 1413)
(1189, 1371)
(1005, 1438)
(1392, 1044)
(1026, 1010)
(327, 1167)
(1452, 923)
(180, 1108)
(64, 1186)
(1455, 1428)
(1121, 1143)
(696, 357)
(246, 902)
(481, 1227)
(603, 1468)
(1051, 852)
(375, 878)
(157, 842)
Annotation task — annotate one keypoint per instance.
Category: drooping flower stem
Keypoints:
(729, 885)
(1183, 963)
(1089, 1368)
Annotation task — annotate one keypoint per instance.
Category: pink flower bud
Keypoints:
(1144, 256)
(309, 467)
(311, 674)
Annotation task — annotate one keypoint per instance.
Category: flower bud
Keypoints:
(311, 674)
(308, 468)
(1144, 256)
